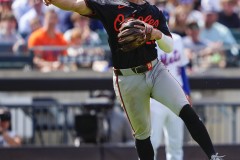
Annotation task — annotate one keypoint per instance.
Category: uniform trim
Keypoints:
(124, 108)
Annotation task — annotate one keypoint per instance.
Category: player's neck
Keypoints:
(139, 2)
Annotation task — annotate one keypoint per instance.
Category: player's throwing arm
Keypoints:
(78, 6)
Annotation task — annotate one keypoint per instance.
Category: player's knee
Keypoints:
(187, 114)
(141, 136)
(142, 132)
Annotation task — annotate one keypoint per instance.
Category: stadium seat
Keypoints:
(6, 49)
(16, 62)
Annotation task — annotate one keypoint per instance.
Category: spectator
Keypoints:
(65, 22)
(76, 49)
(199, 51)
(7, 137)
(21, 7)
(35, 24)
(8, 31)
(194, 14)
(90, 37)
(37, 10)
(214, 31)
(76, 41)
(20, 47)
(47, 59)
(171, 5)
(178, 18)
(8, 34)
(227, 16)
(218, 34)
(5, 6)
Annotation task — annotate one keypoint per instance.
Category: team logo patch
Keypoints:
(149, 65)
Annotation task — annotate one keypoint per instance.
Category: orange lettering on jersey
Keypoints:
(148, 19)
(117, 22)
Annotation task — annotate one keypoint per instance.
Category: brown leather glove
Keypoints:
(133, 33)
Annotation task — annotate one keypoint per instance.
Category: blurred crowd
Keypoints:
(210, 32)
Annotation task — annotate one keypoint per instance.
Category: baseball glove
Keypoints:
(133, 33)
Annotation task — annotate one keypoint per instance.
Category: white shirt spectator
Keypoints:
(24, 22)
(20, 7)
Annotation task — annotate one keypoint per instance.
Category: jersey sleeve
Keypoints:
(92, 5)
(98, 7)
(163, 27)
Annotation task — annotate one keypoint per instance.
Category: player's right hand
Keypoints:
(47, 2)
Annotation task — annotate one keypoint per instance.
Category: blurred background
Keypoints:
(56, 93)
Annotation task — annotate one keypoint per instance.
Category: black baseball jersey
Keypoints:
(112, 12)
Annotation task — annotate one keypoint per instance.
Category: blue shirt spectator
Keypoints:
(213, 30)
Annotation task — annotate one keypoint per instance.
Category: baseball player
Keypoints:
(133, 27)
(170, 124)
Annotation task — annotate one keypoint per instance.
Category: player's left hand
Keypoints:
(133, 33)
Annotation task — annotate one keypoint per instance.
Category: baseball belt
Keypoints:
(136, 70)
